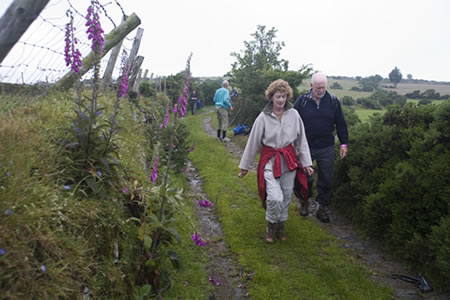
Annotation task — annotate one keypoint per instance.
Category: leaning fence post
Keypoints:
(16, 20)
(107, 75)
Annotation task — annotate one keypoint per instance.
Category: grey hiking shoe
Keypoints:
(226, 140)
(304, 209)
(323, 214)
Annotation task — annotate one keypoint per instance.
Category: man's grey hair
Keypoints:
(225, 83)
(318, 77)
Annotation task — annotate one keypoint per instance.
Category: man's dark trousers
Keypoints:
(325, 160)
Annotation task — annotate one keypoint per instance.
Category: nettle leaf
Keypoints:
(175, 259)
(145, 289)
(153, 219)
(143, 230)
(134, 219)
(72, 145)
(147, 242)
(81, 115)
(175, 234)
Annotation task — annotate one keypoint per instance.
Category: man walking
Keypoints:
(222, 102)
(321, 113)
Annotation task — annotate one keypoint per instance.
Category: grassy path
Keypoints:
(309, 265)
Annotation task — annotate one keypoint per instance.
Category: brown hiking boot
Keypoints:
(280, 232)
(323, 215)
(270, 233)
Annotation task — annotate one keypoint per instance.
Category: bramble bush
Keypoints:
(395, 184)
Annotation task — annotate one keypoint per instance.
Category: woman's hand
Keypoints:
(309, 170)
(242, 173)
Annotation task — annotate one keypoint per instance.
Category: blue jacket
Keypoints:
(321, 120)
(222, 98)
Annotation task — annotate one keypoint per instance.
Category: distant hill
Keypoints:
(404, 87)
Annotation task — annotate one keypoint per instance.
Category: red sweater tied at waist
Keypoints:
(300, 186)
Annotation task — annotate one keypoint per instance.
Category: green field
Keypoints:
(402, 88)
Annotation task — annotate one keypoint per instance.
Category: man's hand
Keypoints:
(242, 173)
(343, 151)
(309, 170)
(231, 107)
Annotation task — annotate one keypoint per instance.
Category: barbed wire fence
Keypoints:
(37, 60)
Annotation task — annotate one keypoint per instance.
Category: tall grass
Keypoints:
(55, 244)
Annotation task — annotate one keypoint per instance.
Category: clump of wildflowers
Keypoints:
(72, 56)
(94, 31)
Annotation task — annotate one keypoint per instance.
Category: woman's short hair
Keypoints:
(279, 85)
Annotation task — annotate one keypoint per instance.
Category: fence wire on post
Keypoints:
(36, 61)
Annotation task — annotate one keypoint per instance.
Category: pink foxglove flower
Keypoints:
(94, 31)
(197, 240)
(166, 118)
(72, 56)
(204, 203)
(215, 282)
(192, 148)
(155, 170)
(124, 81)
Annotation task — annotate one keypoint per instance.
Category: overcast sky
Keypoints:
(338, 37)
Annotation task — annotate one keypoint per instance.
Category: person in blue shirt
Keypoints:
(321, 113)
(222, 102)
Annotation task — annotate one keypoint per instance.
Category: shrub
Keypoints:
(348, 100)
(147, 89)
(395, 184)
(336, 86)
(425, 101)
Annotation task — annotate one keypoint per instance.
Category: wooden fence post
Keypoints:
(132, 57)
(107, 75)
(134, 72)
(16, 20)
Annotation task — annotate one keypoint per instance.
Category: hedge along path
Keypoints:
(309, 265)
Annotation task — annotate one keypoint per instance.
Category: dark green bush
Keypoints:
(147, 89)
(336, 86)
(395, 184)
(348, 100)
